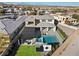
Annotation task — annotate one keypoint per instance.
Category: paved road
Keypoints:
(73, 48)
(66, 29)
(70, 46)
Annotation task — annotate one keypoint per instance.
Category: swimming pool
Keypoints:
(48, 39)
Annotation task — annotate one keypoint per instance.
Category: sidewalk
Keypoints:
(67, 48)
(72, 27)
(67, 29)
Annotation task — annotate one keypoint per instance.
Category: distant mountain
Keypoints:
(2, 3)
(17, 3)
(45, 3)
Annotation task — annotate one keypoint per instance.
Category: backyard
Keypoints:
(25, 50)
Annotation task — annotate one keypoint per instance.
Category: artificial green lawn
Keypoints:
(25, 50)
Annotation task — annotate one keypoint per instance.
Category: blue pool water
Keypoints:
(48, 39)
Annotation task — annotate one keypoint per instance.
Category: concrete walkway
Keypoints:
(70, 46)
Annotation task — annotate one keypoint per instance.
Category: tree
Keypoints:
(3, 12)
(75, 16)
(67, 22)
(35, 12)
(59, 10)
(0, 12)
(64, 11)
(29, 8)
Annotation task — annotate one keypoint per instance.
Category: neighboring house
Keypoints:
(65, 19)
(4, 38)
(72, 21)
(12, 10)
(1, 6)
(61, 19)
(11, 29)
(7, 16)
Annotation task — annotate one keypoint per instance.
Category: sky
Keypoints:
(46, 3)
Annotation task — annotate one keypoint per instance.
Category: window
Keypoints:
(30, 22)
(74, 21)
(49, 28)
(43, 20)
(43, 28)
(37, 29)
(50, 20)
(67, 18)
(71, 21)
(63, 18)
